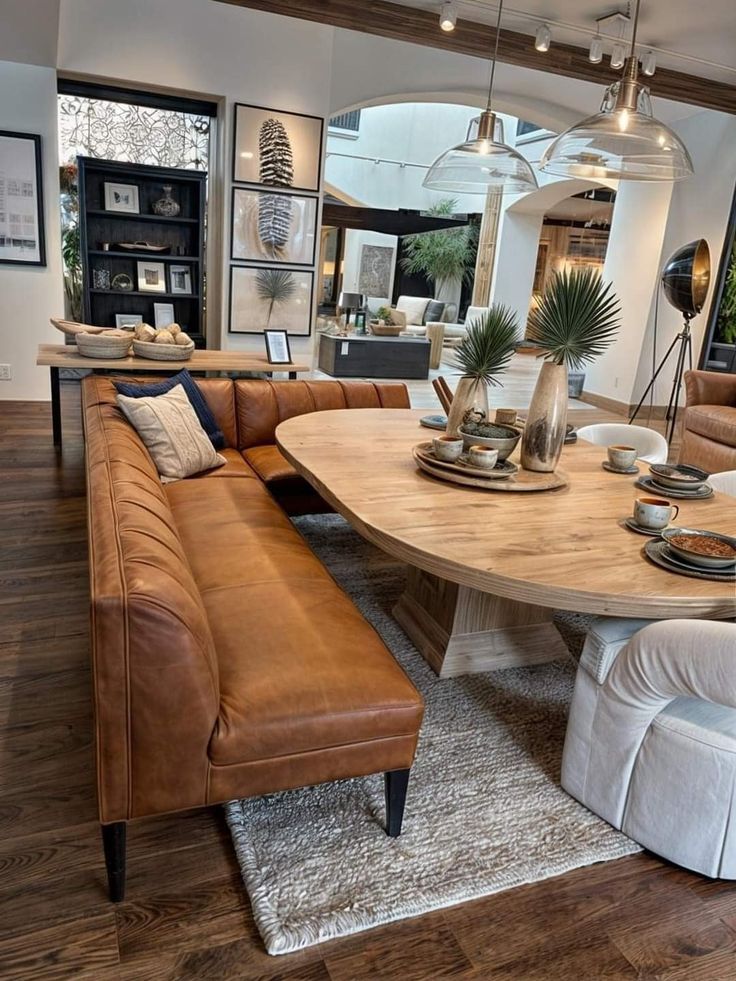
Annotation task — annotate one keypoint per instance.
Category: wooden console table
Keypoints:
(57, 356)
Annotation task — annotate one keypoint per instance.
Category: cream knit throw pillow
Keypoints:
(169, 427)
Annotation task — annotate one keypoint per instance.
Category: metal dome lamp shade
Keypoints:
(477, 165)
(623, 141)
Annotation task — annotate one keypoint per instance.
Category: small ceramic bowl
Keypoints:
(676, 539)
(505, 446)
(484, 457)
(678, 478)
(447, 448)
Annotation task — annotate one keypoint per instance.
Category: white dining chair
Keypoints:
(725, 482)
(650, 445)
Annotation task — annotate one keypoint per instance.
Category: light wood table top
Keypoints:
(562, 548)
(67, 356)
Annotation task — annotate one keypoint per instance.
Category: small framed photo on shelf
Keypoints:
(163, 314)
(21, 200)
(277, 346)
(127, 321)
(151, 277)
(180, 278)
(122, 197)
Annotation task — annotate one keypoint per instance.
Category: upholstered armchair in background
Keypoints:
(651, 739)
(709, 421)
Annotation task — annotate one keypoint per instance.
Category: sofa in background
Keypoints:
(709, 421)
(226, 660)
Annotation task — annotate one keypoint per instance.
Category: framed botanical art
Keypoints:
(277, 149)
(277, 346)
(121, 197)
(151, 277)
(21, 199)
(270, 226)
(270, 299)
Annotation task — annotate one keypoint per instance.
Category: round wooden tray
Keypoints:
(523, 480)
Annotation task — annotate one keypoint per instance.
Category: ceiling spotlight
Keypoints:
(618, 56)
(448, 16)
(596, 50)
(648, 63)
(543, 38)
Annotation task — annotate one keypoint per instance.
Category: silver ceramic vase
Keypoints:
(544, 432)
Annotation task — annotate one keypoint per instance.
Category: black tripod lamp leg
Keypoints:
(651, 384)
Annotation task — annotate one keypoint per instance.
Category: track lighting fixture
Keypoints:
(618, 56)
(596, 50)
(649, 63)
(448, 16)
(543, 39)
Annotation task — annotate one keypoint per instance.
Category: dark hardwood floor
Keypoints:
(187, 914)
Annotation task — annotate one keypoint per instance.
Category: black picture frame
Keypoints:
(38, 173)
(301, 271)
(715, 354)
(296, 188)
(268, 338)
(264, 189)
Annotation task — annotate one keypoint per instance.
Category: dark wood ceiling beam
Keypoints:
(416, 26)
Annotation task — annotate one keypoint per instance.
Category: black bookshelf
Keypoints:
(183, 235)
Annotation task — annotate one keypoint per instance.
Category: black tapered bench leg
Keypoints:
(113, 839)
(396, 784)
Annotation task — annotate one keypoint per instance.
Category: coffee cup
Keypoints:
(621, 457)
(485, 457)
(447, 448)
(654, 513)
(506, 417)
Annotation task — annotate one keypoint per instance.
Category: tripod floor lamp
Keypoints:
(685, 280)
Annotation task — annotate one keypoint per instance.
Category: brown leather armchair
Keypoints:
(709, 425)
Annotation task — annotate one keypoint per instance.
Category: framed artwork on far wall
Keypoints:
(269, 226)
(21, 200)
(270, 299)
(277, 346)
(277, 149)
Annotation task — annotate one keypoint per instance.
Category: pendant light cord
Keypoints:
(495, 54)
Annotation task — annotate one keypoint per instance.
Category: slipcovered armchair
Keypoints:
(709, 426)
(651, 739)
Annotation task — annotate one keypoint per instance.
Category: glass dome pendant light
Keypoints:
(484, 163)
(623, 141)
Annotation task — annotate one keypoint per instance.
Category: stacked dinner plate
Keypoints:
(681, 481)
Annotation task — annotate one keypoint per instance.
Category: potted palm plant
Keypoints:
(484, 353)
(446, 256)
(575, 321)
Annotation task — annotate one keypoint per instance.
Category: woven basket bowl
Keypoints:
(386, 330)
(103, 346)
(163, 352)
(72, 328)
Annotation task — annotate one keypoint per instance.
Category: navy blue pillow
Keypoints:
(183, 378)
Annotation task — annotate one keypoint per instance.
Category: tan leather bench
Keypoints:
(227, 662)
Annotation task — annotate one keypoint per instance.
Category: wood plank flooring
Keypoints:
(187, 915)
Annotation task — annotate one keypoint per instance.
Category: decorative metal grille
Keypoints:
(132, 134)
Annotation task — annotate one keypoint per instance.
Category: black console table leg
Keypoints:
(55, 406)
(113, 840)
(292, 376)
(396, 784)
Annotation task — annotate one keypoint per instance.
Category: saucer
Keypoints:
(434, 422)
(633, 526)
(607, 466)
(648, 484)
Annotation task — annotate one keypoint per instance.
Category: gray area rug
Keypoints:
(485, 810)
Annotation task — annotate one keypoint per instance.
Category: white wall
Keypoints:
(29, 295)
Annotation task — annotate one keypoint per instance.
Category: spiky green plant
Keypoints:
(488, 345)
(576, 319)
(444, 256)
(275, 286)
(727, 306)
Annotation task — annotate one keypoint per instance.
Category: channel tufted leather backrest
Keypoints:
(260, 405)
(155, 668)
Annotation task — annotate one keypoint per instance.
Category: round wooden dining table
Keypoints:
(487, 568)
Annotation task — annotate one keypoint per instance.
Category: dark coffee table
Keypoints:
(356, 356)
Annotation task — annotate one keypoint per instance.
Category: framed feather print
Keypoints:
(277, 149)
(273, 227)
(270, 299)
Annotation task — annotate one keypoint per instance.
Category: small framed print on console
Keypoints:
(277, 346)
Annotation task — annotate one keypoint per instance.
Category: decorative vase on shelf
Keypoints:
(471, 395)
(546, 421)
(166, 207)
